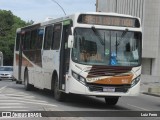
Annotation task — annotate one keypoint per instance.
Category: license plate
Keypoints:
(108, 89)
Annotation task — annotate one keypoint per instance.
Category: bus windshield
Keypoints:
(106, 47)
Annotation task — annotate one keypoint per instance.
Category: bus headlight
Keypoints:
(135, 81)
(78, 77)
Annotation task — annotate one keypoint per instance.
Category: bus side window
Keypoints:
(40, 39)
(33, 39)
(22, 41)
(27, 41)
(48, 37)
(57, 36)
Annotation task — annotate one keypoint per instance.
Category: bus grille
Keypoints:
(118, 88)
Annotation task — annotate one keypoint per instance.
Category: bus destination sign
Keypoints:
(108, 20)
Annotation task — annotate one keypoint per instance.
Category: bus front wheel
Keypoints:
(58, 95)
(111, 100)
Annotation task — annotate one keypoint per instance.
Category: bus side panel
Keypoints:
(50, 62)
(42, 77)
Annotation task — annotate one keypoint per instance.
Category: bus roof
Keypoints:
(92, 13)
(71, 17)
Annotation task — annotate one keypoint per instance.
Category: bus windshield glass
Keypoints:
(106, 47)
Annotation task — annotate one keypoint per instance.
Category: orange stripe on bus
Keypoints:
(25, 62)
(116, 80)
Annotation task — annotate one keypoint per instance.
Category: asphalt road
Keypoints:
(13, 97)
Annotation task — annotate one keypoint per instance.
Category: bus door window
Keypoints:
(66, 33)
(64, 55)
(56, 36)
(48, 37)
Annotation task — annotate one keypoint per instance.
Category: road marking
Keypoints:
(1, 104)
(20, 110)
(11, 91)
(40, 103)
(9, 98)
(19, 100)
(12, 107)
(19, 95)
(138, 107)
(34, 102)
(2, 88)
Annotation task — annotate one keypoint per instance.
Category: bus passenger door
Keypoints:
(64, 56)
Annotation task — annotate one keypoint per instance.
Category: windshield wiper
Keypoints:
(122, 37)
(98, 35)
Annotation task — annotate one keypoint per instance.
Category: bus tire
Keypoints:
(27, 86)
(58, 95)
(111, 100)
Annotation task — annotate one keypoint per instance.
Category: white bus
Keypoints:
(1, 58)
(94, 54)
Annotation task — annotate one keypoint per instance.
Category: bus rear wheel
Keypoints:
(111, 100)
(58, 95)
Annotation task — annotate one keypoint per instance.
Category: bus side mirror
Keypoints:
(70, 41)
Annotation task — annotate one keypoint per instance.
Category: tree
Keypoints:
(8, 25)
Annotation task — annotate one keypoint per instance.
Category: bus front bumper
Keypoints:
(76, 87)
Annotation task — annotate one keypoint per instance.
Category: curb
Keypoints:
(151, 94)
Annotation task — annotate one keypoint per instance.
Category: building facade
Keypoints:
(149, 12)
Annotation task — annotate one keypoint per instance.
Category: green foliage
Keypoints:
(8, 25)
